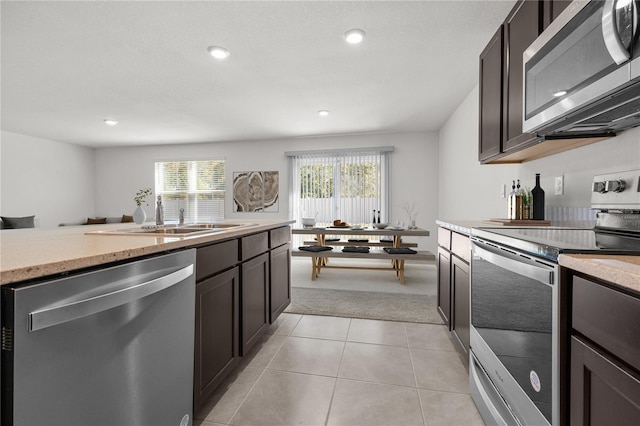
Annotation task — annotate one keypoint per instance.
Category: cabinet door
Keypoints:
(490, 119)
(217, 332)
(444, 285)
(255, 300)
(602, 393)
(461, 318)
(553, 9)
(521, 28)
(280, 283)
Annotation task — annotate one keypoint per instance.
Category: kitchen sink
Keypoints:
(175, 230)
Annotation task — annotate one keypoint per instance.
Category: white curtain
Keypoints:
(350, 185)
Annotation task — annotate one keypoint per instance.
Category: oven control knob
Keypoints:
(599, 187)
(614, 185)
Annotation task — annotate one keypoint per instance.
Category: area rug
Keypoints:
(365, 304)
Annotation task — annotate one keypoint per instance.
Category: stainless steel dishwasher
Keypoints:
(111, 346)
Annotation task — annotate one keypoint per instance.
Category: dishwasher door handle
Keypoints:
(60, 314)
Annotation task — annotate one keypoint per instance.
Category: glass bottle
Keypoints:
(378, 216)
(512, 202)
(537, 200)
(519, 202)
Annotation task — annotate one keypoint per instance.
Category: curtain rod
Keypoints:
(340, 150)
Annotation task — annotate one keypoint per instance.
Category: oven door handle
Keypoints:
(512, 262)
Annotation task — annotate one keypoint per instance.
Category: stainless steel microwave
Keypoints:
(582, 74)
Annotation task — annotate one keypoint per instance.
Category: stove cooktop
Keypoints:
(549, 242)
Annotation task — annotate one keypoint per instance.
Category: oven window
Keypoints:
(513, 315)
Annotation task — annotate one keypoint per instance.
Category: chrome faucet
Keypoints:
(159, 212)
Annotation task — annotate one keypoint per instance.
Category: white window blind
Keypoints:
(196, 186)
(343, 184)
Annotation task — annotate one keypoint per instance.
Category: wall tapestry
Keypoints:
(255, 192)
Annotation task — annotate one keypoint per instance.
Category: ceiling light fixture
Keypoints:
(323, 113)
(354, 36)
(218, 52)
(110, 122)
(560, 93)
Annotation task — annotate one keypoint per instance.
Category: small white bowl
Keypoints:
(308, 221)
(380, 225)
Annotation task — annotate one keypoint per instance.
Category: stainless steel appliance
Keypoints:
(515, 303)
(582, 74)
(111, 346)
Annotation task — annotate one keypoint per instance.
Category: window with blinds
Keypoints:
(343, 184)
(198, 187)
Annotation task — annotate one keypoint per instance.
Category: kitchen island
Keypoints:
(239, 283)
(34, 253)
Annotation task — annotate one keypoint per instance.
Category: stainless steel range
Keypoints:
(515, 303)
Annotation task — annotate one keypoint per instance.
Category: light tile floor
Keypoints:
(315, 370)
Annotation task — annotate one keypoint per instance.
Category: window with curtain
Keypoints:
(341, 184)
(196, 186)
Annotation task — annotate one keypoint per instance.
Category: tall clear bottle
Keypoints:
(512, 202)
(537, 200)
(519, 204)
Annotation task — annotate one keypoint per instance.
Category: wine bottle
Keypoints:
(537, 200)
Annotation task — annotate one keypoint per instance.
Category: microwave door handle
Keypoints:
(610, 33)
(60, 314)
(502, 260)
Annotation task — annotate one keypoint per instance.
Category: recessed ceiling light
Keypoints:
(323, 113)
(354, 36)
(110, 122)
(218, 52)
(560, 93)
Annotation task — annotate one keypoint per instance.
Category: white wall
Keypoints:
(53, 180)
(469, 190)
(122, 171)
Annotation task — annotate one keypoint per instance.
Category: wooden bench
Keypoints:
(319, 260)
(359, 243)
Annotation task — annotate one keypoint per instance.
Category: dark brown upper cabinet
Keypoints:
(500, 136)
(552, 9)
(501, 82)
(521, 28)
(490, 120)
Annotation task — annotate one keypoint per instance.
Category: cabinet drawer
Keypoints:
(461, 246)
(215, 258)
(254, 245)
(280, 236)
(608, 317)
(444, 238)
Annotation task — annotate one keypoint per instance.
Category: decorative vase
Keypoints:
(139, 216)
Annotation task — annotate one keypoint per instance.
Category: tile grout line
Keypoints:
(257, 380)
(335, 384)
(415, 378)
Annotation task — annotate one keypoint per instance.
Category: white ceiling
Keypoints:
(68, 65)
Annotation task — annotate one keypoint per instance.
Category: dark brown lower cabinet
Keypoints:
(255, 300)
(602, 392)
(461, 320)
(216, 332)
(444, 285)
(280, 283)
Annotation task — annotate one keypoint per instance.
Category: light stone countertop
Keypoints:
(32, 253)
(621, 270)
